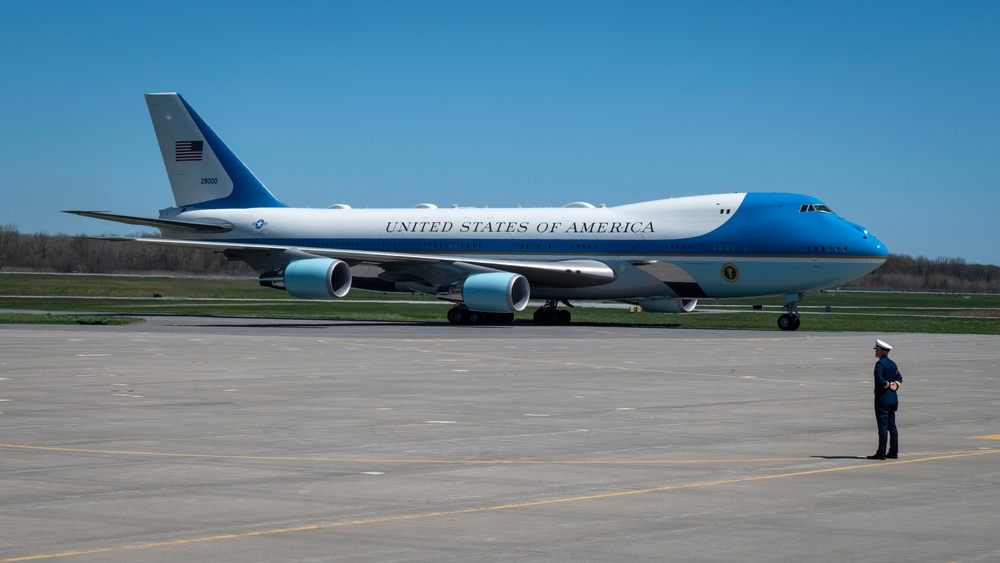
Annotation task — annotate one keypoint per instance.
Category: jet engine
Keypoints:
(311, 278)
(493, 292)
(668, 305)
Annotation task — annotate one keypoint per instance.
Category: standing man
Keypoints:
(887, 382)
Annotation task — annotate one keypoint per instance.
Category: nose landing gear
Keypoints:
(790, 320)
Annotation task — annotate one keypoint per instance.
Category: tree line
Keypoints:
(40, 252)
(906, 273)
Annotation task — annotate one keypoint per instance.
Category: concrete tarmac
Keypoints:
(199, 439)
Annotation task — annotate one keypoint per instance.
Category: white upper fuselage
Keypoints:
(669, 219)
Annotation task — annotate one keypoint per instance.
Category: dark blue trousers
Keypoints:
(885, 416)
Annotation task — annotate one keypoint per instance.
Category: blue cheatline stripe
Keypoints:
(699, 247)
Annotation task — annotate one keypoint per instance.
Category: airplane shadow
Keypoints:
(264, 322)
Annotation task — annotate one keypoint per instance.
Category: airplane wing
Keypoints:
(157, 223)
(553, 273)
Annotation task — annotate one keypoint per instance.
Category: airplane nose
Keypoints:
(873, 246)
(877, 248)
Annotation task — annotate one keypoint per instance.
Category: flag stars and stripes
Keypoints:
(187, 150)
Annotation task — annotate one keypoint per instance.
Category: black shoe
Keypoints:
(892, 456)
(876, 456)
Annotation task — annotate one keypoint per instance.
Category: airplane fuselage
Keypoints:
(716, 246)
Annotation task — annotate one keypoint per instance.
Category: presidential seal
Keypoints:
(730, 272)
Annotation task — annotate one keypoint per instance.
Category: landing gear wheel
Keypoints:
(788, 322)
(552, 316)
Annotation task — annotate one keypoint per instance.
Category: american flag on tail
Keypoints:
(187, 150)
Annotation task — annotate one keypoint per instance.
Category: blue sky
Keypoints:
(887, 111)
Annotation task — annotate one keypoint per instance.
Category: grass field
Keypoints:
(114, 299)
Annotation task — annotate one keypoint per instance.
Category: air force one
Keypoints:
(662, 255)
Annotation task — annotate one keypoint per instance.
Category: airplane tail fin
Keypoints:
(203, 171)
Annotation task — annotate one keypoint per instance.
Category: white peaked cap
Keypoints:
(883, 345)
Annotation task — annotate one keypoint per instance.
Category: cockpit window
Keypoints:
(814, 208)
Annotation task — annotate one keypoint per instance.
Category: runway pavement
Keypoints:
(199, 439)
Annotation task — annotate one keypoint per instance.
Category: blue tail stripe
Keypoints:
(248, 191)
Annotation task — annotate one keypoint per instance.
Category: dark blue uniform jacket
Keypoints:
(886, 371)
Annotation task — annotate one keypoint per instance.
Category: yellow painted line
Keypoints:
(481, 509)
(990, 437)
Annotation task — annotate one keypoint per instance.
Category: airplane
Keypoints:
(662, 255)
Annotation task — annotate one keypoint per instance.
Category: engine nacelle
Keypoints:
(668, 305)
(312, 278)
(493, 292)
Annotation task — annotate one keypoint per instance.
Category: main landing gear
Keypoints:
(790, 320)
(462, 315)
(548, 314)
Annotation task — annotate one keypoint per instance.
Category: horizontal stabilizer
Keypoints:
(157, 223)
